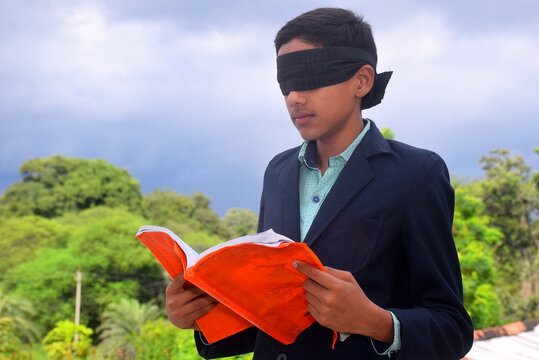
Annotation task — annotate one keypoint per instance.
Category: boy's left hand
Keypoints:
(336, 301)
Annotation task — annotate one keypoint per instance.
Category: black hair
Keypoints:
(326, 27)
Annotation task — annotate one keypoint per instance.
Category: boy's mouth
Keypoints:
(301, 117)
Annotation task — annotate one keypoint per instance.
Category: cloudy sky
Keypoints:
(183, 93)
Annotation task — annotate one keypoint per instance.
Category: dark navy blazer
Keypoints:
(387, 220)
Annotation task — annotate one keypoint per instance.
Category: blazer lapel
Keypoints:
(289, 198)
(356, 174)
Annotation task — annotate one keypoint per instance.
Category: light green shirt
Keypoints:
(313, 187)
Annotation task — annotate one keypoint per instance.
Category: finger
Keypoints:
(176, 285)
(200, 303)
(313, 287)
(203, 310)
(195, 291)
(190, 321)
(313, 311)
(184, 315)
(313, 273)
(313, 299)
(339, 274)
(186, 296)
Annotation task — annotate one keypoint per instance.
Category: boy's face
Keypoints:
(328, 114)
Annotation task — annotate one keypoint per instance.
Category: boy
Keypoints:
(378, 213)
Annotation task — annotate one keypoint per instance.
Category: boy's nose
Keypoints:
(296, 97)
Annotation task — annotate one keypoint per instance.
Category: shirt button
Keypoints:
(316, 199)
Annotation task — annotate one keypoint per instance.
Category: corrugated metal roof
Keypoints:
(512, 341)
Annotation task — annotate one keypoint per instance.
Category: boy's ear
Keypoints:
(364, 80)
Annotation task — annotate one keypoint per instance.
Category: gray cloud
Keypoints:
(186, 98)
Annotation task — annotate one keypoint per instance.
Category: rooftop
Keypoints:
(519, 340)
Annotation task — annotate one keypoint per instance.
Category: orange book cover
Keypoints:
(252, 278)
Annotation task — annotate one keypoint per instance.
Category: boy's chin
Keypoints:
(307, 135)
(308, 138)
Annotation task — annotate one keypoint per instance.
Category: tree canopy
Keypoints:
(23, 237)
(114, 265)
(476, 239)
(509, 194)
(51, 187)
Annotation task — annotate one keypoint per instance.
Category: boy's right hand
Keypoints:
(186, 304)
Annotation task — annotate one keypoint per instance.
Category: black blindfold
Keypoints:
(326, 66)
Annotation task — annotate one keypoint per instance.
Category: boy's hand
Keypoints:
(186, 304)
(337, 302)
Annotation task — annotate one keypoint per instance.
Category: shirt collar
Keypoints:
(307, 153)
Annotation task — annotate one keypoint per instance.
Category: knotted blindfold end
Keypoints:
(378, 90)
(320, 67)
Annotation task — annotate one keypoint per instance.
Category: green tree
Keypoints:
(23, 237)
(60, 342)
(201, 240)
(208, 218)
(113, 262)
(476, 239)
(241, 221)
(123, 322)
(535, 179)
(50, 187)
(183, 214)
(387, 133)
(165, 205)
(511, 197)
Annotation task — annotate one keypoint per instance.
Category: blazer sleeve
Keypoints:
(437, 326)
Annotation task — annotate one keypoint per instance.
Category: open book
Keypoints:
(252, 278)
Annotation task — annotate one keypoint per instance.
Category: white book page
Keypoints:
(191, 255)
(266, 238)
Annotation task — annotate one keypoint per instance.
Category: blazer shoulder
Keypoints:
(282, 158)
(411, 155)
(415, 164)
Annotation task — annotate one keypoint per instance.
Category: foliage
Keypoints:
(201, 240)
(60, 342)
(184, 214)
(160, 340)
(208, 218)
(23, 237)
(123, 321)
(511, 197)
(9, 342)
(387, 133)
(485, 307)
(51, 187)
(475, 239)
(48, 280)
(242, 221)
(114, 265)
(162, 206)
(15, 324)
